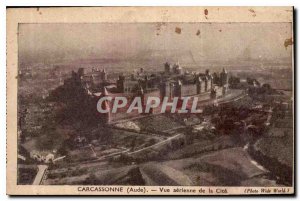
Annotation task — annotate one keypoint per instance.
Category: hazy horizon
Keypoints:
(146, 41)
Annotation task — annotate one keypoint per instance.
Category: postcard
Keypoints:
(150, 101)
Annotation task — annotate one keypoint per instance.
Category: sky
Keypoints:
(202, 41)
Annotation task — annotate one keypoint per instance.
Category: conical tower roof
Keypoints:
(104, 92)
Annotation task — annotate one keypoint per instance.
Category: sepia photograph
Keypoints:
(155, 106)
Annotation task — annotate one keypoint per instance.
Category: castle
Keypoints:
(173, 79)
(169, 83)
(95, 79)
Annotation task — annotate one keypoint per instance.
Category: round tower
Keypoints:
(211, 77)
(167, 67)
(213, 93)
(140, 93)
(177, 89)
(120, 83)
(224, 77)
(198, 85)
(206, 83)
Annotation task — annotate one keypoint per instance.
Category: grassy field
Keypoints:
(231, 167)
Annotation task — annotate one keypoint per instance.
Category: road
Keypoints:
(157, 144)
(112, 154)
(39, 176)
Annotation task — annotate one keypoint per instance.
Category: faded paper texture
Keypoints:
(228, 72)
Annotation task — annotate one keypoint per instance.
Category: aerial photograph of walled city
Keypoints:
(241, 75)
